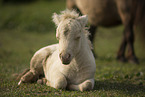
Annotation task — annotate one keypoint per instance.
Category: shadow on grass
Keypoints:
(124, 86)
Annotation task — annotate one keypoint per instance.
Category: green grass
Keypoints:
(25, 28)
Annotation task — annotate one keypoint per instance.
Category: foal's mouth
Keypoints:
(65, 62)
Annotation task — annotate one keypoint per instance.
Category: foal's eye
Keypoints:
(57, 38)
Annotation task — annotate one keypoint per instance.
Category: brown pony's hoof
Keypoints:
(133, 60)
(121, 59)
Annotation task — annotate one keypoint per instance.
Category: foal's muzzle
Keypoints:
(65, 58)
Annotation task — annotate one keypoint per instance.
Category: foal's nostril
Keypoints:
(68, 56)
(64, 57)
(60, 55)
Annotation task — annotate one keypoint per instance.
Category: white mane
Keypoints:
(68, 14)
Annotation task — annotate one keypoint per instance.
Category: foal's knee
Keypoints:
(60, 83)
(87, 85)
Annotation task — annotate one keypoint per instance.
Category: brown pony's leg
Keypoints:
(92, 31)
(121, 52)
(124, 9)
(130, 42)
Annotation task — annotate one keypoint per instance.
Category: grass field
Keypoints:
(25, 28)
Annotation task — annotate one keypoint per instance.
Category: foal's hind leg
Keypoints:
(29, 77)
(42, 81)
(35, 71)
(21, 74)
(84, 86)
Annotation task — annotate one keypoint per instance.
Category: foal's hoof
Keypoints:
(41, 81)
(21, 74)
(19, 82)
(133, 60)
(86, 87)
(121, 59)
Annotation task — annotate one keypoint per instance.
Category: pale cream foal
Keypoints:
(70, 63)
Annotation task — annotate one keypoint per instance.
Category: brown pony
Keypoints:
(110, 13)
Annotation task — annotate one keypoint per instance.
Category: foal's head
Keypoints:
(69, 33)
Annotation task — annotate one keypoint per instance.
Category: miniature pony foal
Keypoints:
(70, 63)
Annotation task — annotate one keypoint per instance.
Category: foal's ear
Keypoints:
(56, 19)
(83, 20)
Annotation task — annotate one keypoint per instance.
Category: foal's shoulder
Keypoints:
(42, 53)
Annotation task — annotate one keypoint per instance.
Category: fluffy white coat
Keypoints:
(70, 63)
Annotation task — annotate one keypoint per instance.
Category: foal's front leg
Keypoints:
(86, 85)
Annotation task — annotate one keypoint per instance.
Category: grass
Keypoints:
(25, 28)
